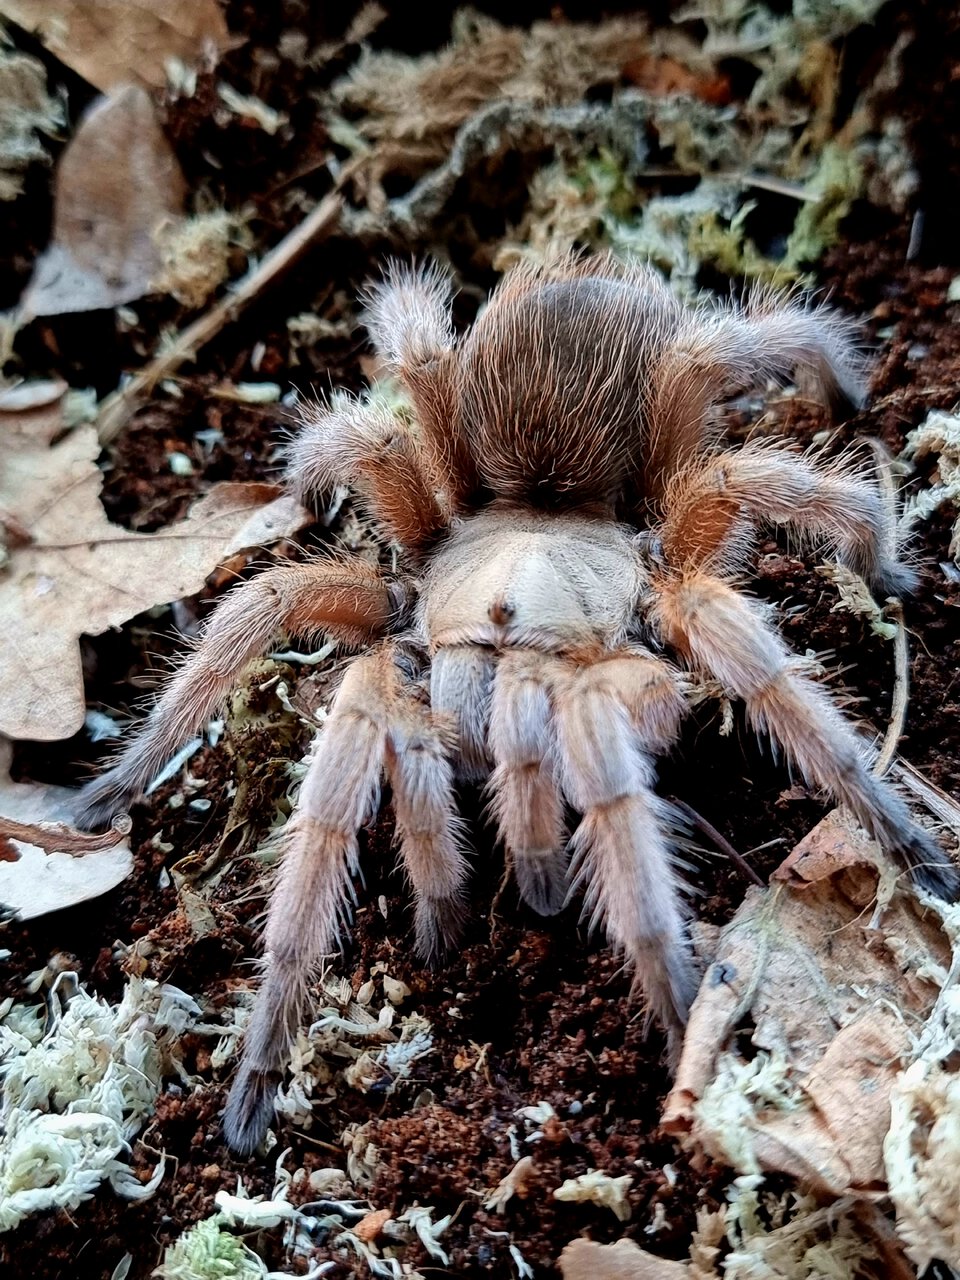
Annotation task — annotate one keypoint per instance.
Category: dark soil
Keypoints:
(527, 1011)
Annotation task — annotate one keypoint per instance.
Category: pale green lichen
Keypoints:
(836, 183)
(921, 1151)
(791, 1237)
(195, 254)
(738, 1091)
(207, 1252)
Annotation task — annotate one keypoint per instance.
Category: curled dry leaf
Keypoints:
(597, 1187)
(116, 182)
(70, 572)
(625, 1260)
(111, 42)
(43, 879)
(830, 974)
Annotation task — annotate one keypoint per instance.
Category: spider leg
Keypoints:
(461, 677)
(621, 850)
(428, 826)
(409, 321)
(351, 601)
(375, 723)
(713, 507)
(310, 903)
(524, 788)
(718, 351)
(370, 447)
(727, 637)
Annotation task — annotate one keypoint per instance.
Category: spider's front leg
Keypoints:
(586, 731)
(376, 723)
(713, 508)
(408, 316)
(373, 449)
(719, 350)
(613, 715)
(350, 601)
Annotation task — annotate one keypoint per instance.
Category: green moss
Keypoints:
(837, 182)
(726, 246)
(205, 1252)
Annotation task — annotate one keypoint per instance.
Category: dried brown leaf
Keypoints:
(830, 973)
(369, 1227)
(76, 573)
(116, 183)
(111, 42)
(625, 1260)
(41, 880)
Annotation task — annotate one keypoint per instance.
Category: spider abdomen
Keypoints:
(552, 388)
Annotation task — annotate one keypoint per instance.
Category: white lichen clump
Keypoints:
(75, 1095)
(937, 436)
(597, 1187)
(922, 1147)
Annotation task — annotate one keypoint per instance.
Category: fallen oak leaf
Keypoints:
(828, 973)
(79, 574)
(116, 183)
(45, 874)
(111, 42)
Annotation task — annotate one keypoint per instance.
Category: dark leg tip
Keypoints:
(98, 803)
(931, 869)
(542, 883)
(439, 928)
(249, 1109)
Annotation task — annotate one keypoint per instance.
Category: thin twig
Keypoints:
(57, 837)
(721, 841)
(894, 610)
(901, 690)
(118, 407)
(936, 801)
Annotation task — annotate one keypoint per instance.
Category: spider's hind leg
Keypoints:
(725, 636)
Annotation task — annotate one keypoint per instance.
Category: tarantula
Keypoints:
(571, 535)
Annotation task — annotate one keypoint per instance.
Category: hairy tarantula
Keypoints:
(566, 520)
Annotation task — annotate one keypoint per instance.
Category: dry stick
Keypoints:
(57, 837)
(901, 691)
(714, 836)
(901, 647)
(118, 407)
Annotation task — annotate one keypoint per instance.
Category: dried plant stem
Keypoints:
(57, 837)
(901, 690)
(901, 648)
(118, 407)
(715, 838)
